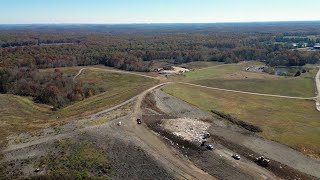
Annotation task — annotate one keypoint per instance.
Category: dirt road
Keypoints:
(78, 74)
(250, 93)
(169, 157)
(166, 155)
(125, 72)
(242, 168)
(151, 142)
(232, 134)
(219, 89)
(318, 89)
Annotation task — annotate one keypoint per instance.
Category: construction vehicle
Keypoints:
(262, 161)
(138, 121)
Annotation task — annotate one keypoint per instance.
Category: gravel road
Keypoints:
(235, 134)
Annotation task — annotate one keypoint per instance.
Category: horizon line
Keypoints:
(155, 23)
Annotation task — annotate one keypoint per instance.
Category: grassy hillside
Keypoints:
(118, 88)
(20, 114)
(234, 76)
(288, 121)
(298, 87)
(216, 72)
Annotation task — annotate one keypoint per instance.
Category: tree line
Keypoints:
(135, 48)
(134, 52)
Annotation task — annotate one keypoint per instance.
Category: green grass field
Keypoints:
(288, 121)
(298, 87)
(21, 114)
(215, 72)
(234, 77)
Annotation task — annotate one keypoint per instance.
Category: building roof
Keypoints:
(317, 45)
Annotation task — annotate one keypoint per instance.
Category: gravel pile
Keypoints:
(189, 129)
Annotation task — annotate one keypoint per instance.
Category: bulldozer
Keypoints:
(262, 161)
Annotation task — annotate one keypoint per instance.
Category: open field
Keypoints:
(234, 77)
(299, 87)
(291, 122)
(21, 114)
(216, 72)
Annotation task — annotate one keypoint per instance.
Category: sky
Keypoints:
(155, 11)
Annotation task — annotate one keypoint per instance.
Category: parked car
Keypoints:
(139, 121)
(236, 156)
(209, 146)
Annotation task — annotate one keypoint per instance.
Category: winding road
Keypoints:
(153, 144)
(317, 98)
(158, 148)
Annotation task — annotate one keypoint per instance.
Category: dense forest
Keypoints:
(26, 48)
(53, 88)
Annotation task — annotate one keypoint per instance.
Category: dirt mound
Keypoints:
(246, 125)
